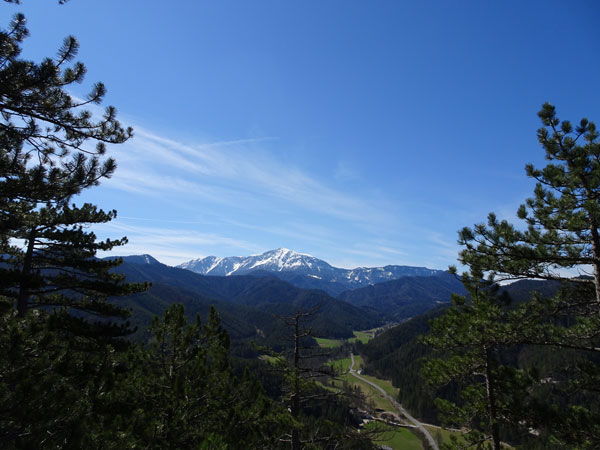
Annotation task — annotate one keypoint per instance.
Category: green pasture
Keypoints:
(397, 438)
(386, 385)
(362, 336)
(329, 343)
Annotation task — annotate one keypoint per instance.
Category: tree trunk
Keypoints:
(489, 385)
(295, 399)
(24, 282)
(596, 252)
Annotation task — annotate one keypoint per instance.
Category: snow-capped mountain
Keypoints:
(301, 269)
(278, 260)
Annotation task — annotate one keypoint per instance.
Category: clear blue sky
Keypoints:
(362, 132)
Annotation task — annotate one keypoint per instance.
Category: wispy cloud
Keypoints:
(170, 245)
(345, 172)
(232, 172)
(248, 199)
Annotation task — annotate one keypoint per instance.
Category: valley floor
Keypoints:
(402, 430)
(397, 407)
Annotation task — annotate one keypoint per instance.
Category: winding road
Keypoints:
(398, 406)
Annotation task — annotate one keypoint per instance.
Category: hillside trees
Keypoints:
(560, 236)
(179, 391)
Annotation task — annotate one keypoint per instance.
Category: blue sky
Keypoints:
(362, 132)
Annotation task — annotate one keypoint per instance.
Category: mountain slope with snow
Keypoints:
(303, 270)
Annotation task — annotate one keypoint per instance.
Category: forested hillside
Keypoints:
(406, 297)
(397, 355)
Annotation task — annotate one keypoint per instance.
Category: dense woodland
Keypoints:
(97, 353)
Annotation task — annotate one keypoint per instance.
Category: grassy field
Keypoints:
(396, 437)
(358, 362)
(386, 385)
(328, 343)
(442, 436)
(343, 365)
(374, 395)
(362, 336)
(379, 400)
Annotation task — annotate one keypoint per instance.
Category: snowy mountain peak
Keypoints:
(283, 260)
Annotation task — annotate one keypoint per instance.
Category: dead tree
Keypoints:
(306, 375)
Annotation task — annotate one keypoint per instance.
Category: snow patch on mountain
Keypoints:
(285, 260)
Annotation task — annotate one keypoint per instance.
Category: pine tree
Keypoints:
(562, 218)
(47, 257)
(57, 365)
(184, 393)
(54, 392)
(560, 236)
(471, 340)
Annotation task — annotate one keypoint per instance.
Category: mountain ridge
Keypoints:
(248, 303)
(406, 297)
(304, 269)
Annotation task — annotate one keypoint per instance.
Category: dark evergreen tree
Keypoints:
(560, 234)
(57, 333)
(54, 392)
(47, 257)
(182, 393)
(494, 394)
(562, 218)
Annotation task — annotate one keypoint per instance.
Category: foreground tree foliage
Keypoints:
(47, 258)
(181, 393)
(544, 405)
(175, 392)
(475, 338)
(59, 334)
(51, 389)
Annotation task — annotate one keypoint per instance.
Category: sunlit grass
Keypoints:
(328, 343)
(386, 385)
(362, 336)
(343, 365)
(397, 438)
(441, 435)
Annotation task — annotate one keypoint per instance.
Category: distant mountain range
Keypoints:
(281, 282)
(247, 304)
(406, 297)
(303, 270)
